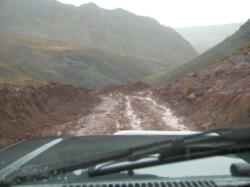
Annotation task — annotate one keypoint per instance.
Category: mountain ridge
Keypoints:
(222, 50)
(26, 60)
(115, 30)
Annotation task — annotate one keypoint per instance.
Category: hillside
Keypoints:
(116, 30)
(206, 37)
(37, 59)
(217, 96)
(217, 53)
(27, 111)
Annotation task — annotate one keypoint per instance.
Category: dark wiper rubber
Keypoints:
(240, 169)
(171, 159)
(230, 141)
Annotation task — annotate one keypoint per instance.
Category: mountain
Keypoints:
(206, 37)
(218, 53)
(26, 60)
(116, 30)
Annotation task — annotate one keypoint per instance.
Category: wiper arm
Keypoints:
(230, 141)
(209, 136)
(138, 152)
(177, 158)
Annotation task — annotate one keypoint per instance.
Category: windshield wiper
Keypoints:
(229, 141)
(207, 143)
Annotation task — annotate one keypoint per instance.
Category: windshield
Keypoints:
(130, 88)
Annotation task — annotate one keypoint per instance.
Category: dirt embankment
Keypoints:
(215, 97)
(56, 109)
(34, 110)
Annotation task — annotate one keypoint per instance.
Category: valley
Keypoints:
(75, 71)
(214, 34)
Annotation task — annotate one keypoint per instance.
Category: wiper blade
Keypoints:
(173, 159)
(230, 141)
(137, 152)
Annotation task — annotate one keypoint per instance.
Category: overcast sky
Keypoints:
(181, 13)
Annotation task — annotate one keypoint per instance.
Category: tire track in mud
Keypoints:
(135, 122)
(118, 111)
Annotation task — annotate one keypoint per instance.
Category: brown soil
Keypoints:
(215, 97)
(55, 109)
(33, 110)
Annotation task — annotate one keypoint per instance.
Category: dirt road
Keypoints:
(118, 111)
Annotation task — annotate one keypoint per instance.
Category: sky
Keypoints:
(180, 13)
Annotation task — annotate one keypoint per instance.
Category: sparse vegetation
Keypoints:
(52, 60)
(218, 72)
(244, 50)
(241, 112)
(224, 58)
(188, 88)
(248, 45)
(240, 50)
(168, 86)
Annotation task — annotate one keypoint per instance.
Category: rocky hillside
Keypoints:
(33, 110)
(217, 96)
(217, 53)
(116, 30)
(24, 60)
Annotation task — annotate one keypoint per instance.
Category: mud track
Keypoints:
(118, 111)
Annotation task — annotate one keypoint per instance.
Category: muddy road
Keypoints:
(135, 111)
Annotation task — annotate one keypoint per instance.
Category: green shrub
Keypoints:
(188, 88)
(244, 50)
(240, 50)
(224, 58)
(248, 45)
(241, 112)
(168, 86)
(219, 72)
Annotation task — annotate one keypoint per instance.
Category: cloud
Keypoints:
(181, 13)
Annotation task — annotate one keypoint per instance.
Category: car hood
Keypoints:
(69, 150)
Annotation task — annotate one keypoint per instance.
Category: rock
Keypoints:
(192, 96)
(244, 63)
(192, 75)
